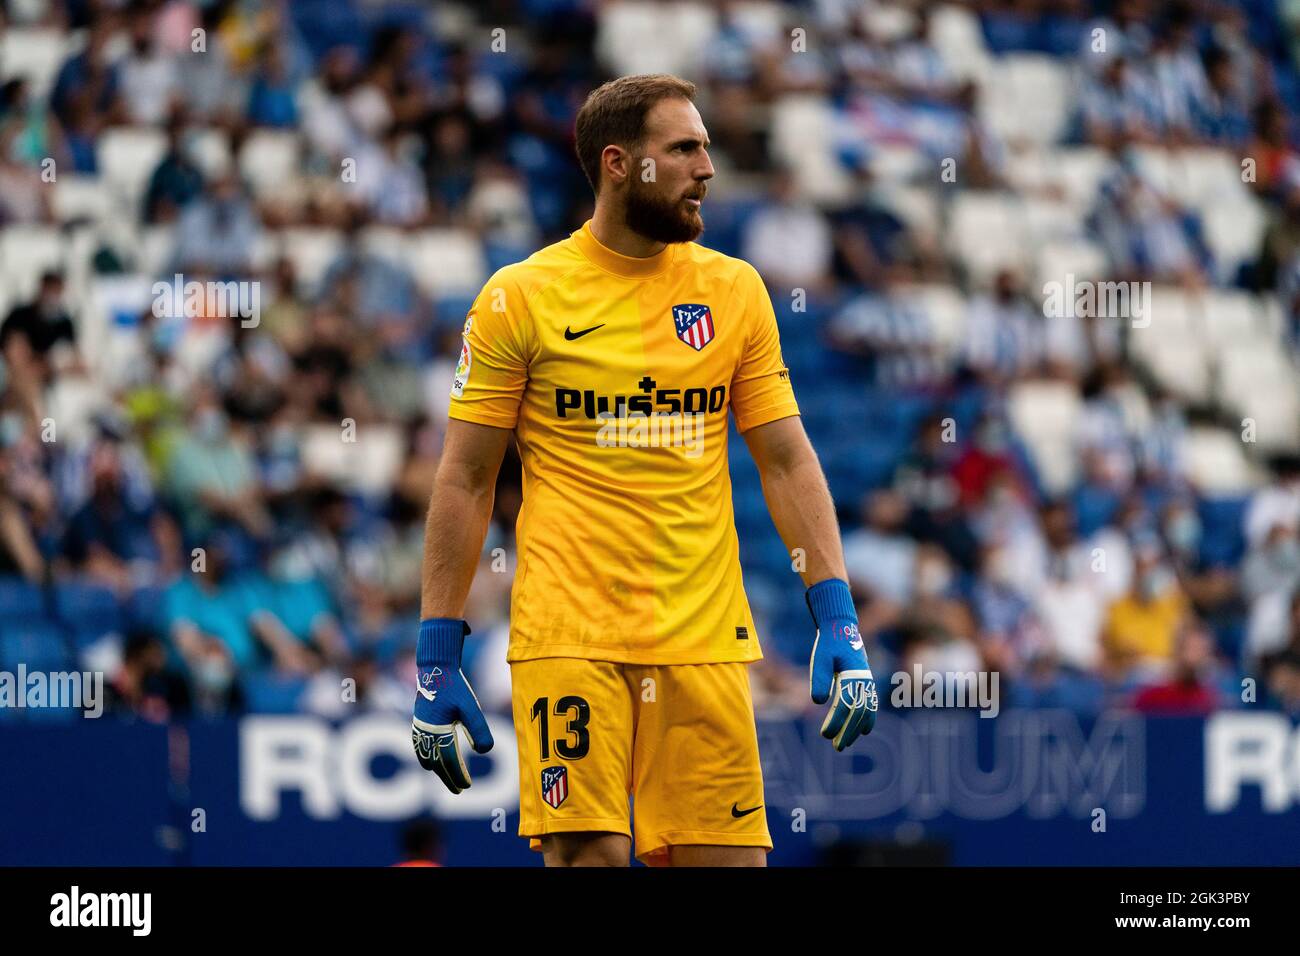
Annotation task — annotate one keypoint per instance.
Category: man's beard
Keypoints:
(659, 218)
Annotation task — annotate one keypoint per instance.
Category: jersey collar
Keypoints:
(627, 266)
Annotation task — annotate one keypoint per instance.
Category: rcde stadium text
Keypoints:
(331, 769)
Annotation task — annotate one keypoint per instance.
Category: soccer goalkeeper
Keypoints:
(613, 358)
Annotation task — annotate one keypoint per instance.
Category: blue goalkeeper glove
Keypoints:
(839, 667)
(444, 703)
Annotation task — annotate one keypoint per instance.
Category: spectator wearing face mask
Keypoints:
(212, 474)
(1140, 628)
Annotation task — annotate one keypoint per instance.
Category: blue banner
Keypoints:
(1029, 787)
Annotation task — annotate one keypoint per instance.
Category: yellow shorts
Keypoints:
(678, 739)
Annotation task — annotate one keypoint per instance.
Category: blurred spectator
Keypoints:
(176, 181)
(114, 540)
(216, 232)
(148, 72)
(1188, 690)
(212, 474)
(788, 241)
(144, 685)
(1138, 635)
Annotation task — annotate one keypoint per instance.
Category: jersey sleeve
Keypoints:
(493, 366)
(760, 390)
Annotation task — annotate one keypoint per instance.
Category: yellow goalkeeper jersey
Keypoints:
(616, 375)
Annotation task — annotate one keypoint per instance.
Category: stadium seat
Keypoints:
(128, 155)
(1045, 414)
(917, 206)
(802, 130)
(211, 152)
(34, 54)
(1216, 462)
(269, 161)
(1233, 230)
(1232, 319)
(88, 610)
(957, 35)
(1056, 259)
(270, 693)
(1080, 170)
(985, 233)
(368, 467)
(1026, 96)
(39, 644)
(946, 310)
(1209, 177)
(20, 601)
(26, 252)
(446, 260)
(637, 37)
(81, 197)
(312, 251)
(1182, 366)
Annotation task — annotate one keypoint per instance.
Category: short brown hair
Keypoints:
(616, 112)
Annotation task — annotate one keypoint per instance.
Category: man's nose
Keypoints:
(705, 171)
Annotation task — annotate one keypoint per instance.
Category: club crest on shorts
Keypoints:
(694, 324)
(555, 785)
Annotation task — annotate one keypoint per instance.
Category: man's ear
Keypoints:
(615, 160)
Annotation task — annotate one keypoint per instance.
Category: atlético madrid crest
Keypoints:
(694, 324)
(555, 785)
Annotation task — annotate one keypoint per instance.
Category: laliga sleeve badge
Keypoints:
(462, 368)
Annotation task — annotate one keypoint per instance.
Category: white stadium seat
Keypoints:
(127, 158)
(1234, 229)
(1181, 365)
(312, 251)
(642, 37)
(984, 233)
(946, 310)
(26, 252)
(1027, 96)
(957, 35)
(81, 197)
(34, 54)
(269, 161)
(1045, 415)
(446, 261)
(1056, 259)
(1216, 462)
(212, 152)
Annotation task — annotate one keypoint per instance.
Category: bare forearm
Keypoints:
(804, 514)
(454, 530)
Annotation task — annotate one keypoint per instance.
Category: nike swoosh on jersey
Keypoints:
(738, 813)
(571, 335)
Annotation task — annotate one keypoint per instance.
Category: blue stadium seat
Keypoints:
(144, 609)
(20, 600)
(271, 693)
(89, 611)
(39, 644)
